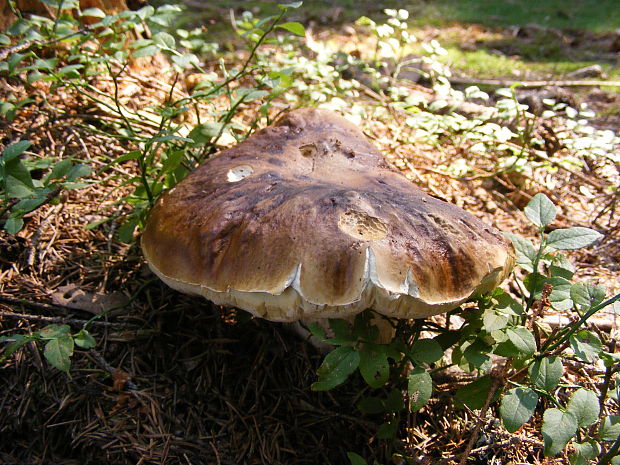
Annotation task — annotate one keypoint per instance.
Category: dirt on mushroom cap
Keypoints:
(306, 218)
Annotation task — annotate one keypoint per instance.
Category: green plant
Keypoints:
(58, 344)
(162, 145)
(528, 376)
(22, 193)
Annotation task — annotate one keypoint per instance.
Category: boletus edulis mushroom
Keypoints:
(306, 220)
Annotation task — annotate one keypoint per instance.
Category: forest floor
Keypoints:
(174, 379)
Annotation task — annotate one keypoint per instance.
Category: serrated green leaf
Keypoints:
(517, 407)
(558, 428)
(58, 352)
(523, 339)
(426, 350)
(546, 373)
(572, 238)
(336, 367)
(584, 405)
(540, 210)
(610, 428)
(356, 459)
(84, 340)
(294, 27)
(374, 365)
(586, 345)
(419, 388)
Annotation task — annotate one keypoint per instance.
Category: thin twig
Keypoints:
(110, 369)
(483, 411)
(60, 320)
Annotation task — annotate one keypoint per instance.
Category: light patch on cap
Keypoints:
(360, 225)
(239, 172)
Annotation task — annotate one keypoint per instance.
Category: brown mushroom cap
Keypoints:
(305, 219)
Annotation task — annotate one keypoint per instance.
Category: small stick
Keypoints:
(57, 319)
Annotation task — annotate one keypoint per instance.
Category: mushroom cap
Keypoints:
(305, 219)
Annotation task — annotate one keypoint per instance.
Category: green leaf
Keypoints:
(84, 340)
(78, 171)
(317, 331)
(586, 345)
(388, 430)
(517, 407)
(286, 6)
(15, 342)
(476, 353)
(356, 459)
(585, 452)
(342, 332)
(294, 27)
(58, 352)
(561, 266)
(394, 401)
(426, 350)
(474, 394)
(560, 295)
(13, 225)
(165, 40)
(540, 210)
(419, 388)
(203, 133)
(60, 169)
(54, 331)
(492, 321)
(371, 405)
(610, 428)
(526, 252)
(584, 405)
(374, 365)
(546, 373)
(16, 149)
(587, 295)
(336, 367)
(522, 339)
(572, 238)
(147, 51)
(93, 12)
(558, 428)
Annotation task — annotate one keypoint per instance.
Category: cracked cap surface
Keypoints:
(305, 219)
